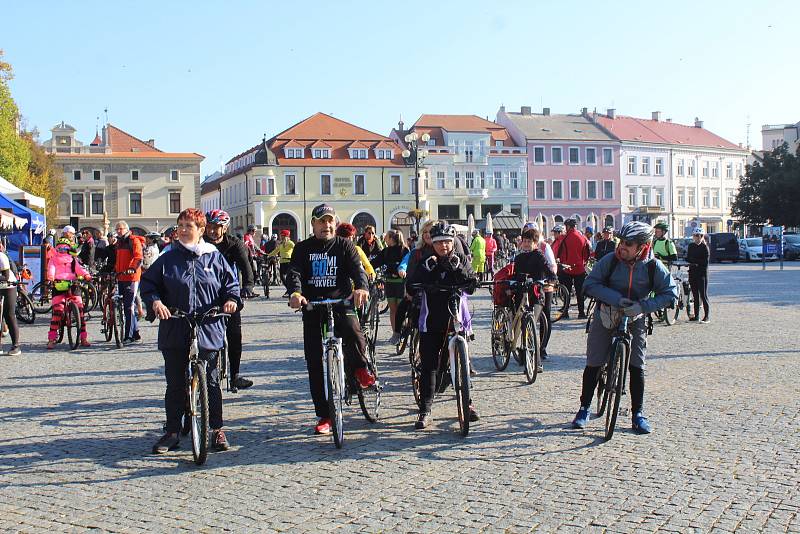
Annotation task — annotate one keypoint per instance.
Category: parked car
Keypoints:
(751, 248)
(791, 246)
(681, 246)
(723, 246)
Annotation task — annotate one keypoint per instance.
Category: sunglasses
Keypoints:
(630, 243)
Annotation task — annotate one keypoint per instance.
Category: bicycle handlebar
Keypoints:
(325, 302)
(443, 288)
(197, 317)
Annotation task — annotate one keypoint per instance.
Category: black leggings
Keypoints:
(591, 374)
(699, 284)
(9, 307)
(234, 334)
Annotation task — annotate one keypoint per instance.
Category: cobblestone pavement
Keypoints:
(77, 428)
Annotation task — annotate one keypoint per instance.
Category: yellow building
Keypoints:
(277, 183)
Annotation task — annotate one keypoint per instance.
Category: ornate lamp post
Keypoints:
(419, 155)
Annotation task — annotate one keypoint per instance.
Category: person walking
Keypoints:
(128, 261)
(8, 290)
(573, 252)
(478, 250)
(697, 256)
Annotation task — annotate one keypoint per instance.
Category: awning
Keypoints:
(15, 193)
(503, 220)
(9, 221)
(36, 220)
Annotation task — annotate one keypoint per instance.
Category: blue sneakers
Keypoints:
(640, 424)
(581, 418)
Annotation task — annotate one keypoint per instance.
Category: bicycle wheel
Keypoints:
(198, 411)
(602, 392)
(589, 314)
(680, 303)
(73, 324)
(615, 381)
(500, 353)
(24, 310)
(416, 373)
(370, 398)
(670, 315)
(222, 364)
(336, 385)
(530, 344)
(265, 279)
(42, 302)
(118, 323)
(89, 291)
(560, 303)
(690, 303)
(405, 334)
(374, 319)
(462, 386)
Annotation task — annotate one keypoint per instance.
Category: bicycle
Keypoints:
(369, 316)
(24, 309)
(113, 319)
(685, 300)
(196, 383)
(456, 367)
(560, 301)
(614, 374)
(529, 323)
(339, 389)
(71, 318)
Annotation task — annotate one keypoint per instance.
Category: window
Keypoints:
(470, 179)
(608, 156)
(739, 171)
(731, 197)
(412, 185)
(556, 157)
(631, 196)
(574, 155)
(483, 180)
(135, 203)
(715, 198)
(591, 189)
(468, 155)
(359, 184)
(690, 197)
(514, 177)
(270, 186)
(294, 153)
(715, 170)
(681, 197)
(539, 190)
(395, 178)
(516, 209)
(97, 203)
(325, 184)
(96, 175)
(706, 197)
(558, 190)
(358, 153)
(609, 221)
(448, 212)
(457, 180)
(290, 184)
(659, 166)
(644, 196)
(498, 180)
(538, 155)
(382, 154)
(659, 197)
(316, 153)
(691, 168)
(258, 186)
(77, 203)
(705, 169)
(645, 166)
(173, 176)
(76, 174)
(574, 190)
(729, 170)
(175, 202)
(680, 168)
(608, 189)
(591, 156)
(631, 164)
(440, 179)
(558, 219)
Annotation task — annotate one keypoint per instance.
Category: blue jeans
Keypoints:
(128, 292)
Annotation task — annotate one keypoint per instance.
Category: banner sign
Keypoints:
(772, 237)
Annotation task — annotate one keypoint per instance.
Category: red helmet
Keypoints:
(219, 217)
(345, 230)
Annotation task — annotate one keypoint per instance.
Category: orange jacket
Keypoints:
(129, 256)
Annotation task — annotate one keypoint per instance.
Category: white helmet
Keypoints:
(68, 229)
(697, 231)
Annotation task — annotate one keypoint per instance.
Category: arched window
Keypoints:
(284, 221)
(558, 219)
(363, 219)
(609, 221)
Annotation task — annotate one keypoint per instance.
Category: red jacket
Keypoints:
(129, 256)
(573, 249)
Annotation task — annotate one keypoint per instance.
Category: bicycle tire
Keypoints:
(544, 327)
(24, 308)
(222, 364)
(118, 323)
(462, 386)
(416, 378)
(198, 405)
(500, 352)
(40, 303)
(265, 279)
(370, 398)
(108, 319)
(374, 320)
(89, 291)
(690, 303)
(73, 324)
(602, 393)
(616, 378)
(530, 343)
(559, 304)
(405, 334)
(336, 387)
(589, 314)
(680, 303)
(670, 315)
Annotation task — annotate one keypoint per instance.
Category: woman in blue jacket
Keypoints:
(192, 276)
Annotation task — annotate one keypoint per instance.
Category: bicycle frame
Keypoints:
(329, 339)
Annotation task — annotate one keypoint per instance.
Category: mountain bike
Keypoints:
(24, 309)
(685, 300)
(369, 315)
(71, 318)
(112, 320)
(616, 371)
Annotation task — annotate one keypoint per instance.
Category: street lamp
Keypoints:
(413, 151)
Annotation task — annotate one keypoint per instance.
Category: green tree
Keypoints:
(14, 154)
(44, 178)
(770, 190)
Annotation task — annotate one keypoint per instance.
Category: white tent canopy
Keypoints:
(15, 193)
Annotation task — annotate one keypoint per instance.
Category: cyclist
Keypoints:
(557, 234)
(370, 244)
(9, 292)
(150, 251)
(128, 260)
(271, 244)
(253, 250)
(326, 266)
(697, 255)
(491, 249)
(62, 269)
(235, 253)
(663, 247)
(87, 250)
(572, 251)
(193, 277)
(606, 245)
(624, 280)
(348, 231)
(284, 252)
(446, 267)
(477, 249)
(391, 257)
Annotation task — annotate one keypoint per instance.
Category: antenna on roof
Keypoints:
(748, 132)
(106, 112)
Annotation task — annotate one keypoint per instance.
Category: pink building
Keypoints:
(573, 168)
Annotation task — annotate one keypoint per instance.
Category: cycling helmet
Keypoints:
(274, 236)
(152, 235)
(590, 229)
(251, 227)
(609, 229)
(662, 226)
(571, 222)
(442, 231)
(637, 231)
(219, 217)
(698, 231)
(529, 226)
(345, 230)
(558, 228)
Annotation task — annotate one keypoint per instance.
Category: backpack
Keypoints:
(499, 296)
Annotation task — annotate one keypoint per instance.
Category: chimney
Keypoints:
(669, 120)
(698, 123)
(546, 112)
(584, 111)
(611, 112)
(151, 142)
(656, 116)
(525, 110)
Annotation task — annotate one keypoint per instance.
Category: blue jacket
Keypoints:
(190, 282)
(631, 281)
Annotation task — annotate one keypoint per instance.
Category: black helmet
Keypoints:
(637, 231)
(571, 222)
(442, 231)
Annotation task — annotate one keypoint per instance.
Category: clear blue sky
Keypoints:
(213, 77)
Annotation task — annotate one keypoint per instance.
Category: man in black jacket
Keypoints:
(325, 266)
(234, 251)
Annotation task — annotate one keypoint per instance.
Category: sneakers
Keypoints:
(423, 420)
(365, 378)
(693, 318)
(323, 426)
(543, 354)
(581, 418)
(705, 320)
(473, 415)
(640, 424)
(136, 336)
(15, 351)
(51, 345)
(241, 382)
(167, 442)
(85, 343)
(219, 441)
(395, 339)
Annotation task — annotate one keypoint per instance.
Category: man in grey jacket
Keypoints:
(622, 283)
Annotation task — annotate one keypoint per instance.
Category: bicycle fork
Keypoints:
(328, 345)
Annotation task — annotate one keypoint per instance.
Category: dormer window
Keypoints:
(498, 143)
(358, 153)
(384, 154)
(293, 153)
(322, 153)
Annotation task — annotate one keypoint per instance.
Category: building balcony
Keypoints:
(478, 193)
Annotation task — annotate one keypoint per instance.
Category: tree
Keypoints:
(770, 190)
(44, 178)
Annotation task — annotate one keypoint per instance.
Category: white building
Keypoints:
(774, 135)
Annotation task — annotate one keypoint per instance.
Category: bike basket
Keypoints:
(499, 296)
(62, 285)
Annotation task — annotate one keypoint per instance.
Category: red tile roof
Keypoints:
(358, 144)
(322, 126)
(133, 155)
(320, 144)
(121, 141)
(292, 143)
(434, 125)
(651, 131)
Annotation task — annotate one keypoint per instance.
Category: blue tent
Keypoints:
(31, 233)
